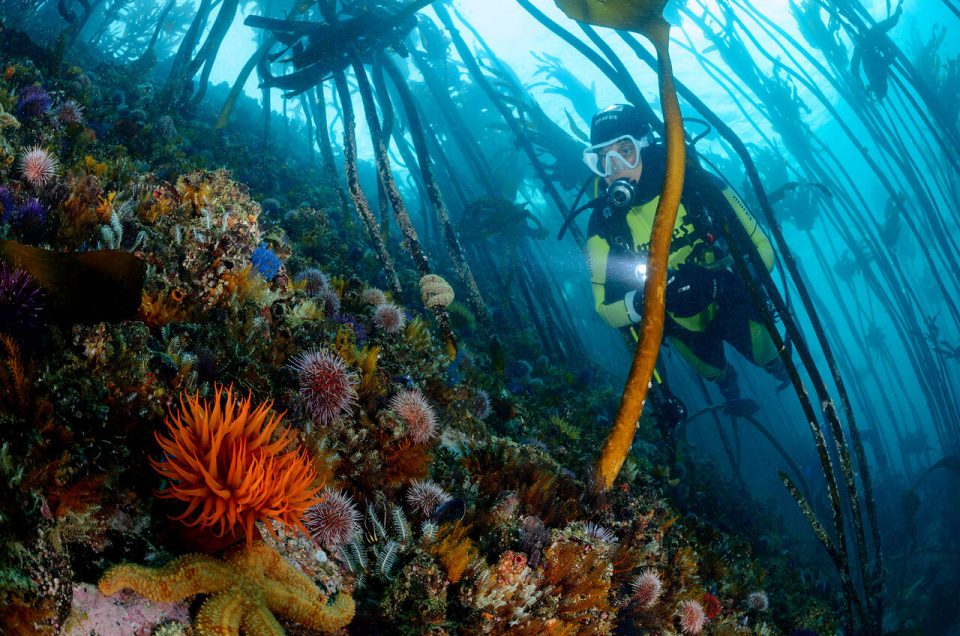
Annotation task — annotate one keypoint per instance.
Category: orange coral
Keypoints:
(455, 551)
(222, 462)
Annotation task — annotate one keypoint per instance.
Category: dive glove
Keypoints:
(690, 288)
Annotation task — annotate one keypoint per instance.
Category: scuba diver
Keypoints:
(876, 52)
(706, 303)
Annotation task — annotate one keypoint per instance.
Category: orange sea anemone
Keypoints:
(229, 464)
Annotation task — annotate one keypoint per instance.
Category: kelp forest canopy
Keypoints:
(444, 139)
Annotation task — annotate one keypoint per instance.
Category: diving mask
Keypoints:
(612, 157)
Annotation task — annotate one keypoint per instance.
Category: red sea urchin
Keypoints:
(37, 166)
(421, 420)
(334, 520)
(328, 387)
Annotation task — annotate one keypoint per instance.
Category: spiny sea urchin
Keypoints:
(424, 496)
(37, 166)
(421, 420)
(646, 589)
(389, 318)
(334, 520)
(21, 301)
(328, 387)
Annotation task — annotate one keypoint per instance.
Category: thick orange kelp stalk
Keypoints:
(646, 18)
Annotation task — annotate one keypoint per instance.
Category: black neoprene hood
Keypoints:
(616, 121)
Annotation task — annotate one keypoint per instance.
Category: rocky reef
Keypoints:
(272, 434)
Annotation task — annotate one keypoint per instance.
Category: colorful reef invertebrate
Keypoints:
(37, 166)
(247, 589)
(70, 112)
(758, 601)
(221, 461)
(334, 520)
(389, 318)
(416, 412)
(33, 102)
(265, 262)
(425, 496)
(646, 589)
(693, 618)
(480, 405)
(315, 280)
(435, 291)
(328, 387)
(373, 296)
(21, 301)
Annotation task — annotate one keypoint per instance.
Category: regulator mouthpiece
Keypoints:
(621, 193)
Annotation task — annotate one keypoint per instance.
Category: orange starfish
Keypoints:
(247, 588)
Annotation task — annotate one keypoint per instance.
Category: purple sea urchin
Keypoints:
(7, 200)
(480, 405)
(425, 496)
(328, 387)
(21, 301)
(334, 520)
(421, 420)
(329, 301)
(37, 166)
(30, 219)
(33, 102)
(70, 112)
(389, 318)
(315, 279)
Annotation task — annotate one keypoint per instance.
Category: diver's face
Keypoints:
(621, 155)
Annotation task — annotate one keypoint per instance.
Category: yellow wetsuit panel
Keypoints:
(640, 222)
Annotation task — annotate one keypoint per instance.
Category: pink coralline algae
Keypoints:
(421, 420)
(123, 614)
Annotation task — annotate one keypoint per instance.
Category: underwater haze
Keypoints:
(453, 317)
